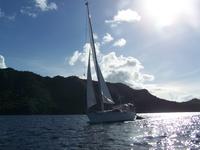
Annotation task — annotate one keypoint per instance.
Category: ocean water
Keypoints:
(72, 132)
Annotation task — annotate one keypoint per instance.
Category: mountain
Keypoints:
(23, 92)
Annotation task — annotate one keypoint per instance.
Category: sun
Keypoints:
(167, 12)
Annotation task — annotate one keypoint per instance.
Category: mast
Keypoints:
(94, 54)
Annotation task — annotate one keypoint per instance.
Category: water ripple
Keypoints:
(159, 131)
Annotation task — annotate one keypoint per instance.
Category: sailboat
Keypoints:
(101, 95)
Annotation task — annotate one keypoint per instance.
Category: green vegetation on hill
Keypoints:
(23, 92)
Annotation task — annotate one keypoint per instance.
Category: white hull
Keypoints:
(101, 117)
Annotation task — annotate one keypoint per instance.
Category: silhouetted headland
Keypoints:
(23, 92)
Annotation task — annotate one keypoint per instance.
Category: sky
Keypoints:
(142, 43)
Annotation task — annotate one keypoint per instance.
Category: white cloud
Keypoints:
(12, 17)
(28, 11)
(82, 56)
(74, 58)
(45, 6)
(2, 62)
(5, 16)
(124, 69)
(107, 38)
(129, 70)
(115, 68)
(174, 92)
(120, 43)
(2, 14)
(95, 36)
(127, 15)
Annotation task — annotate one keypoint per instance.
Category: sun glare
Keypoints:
(168, 12)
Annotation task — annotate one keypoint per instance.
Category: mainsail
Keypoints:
(106, 96)
(91, 99)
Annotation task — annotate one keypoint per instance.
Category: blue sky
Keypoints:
(145, 45)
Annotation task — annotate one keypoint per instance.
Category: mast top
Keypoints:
(86, 2)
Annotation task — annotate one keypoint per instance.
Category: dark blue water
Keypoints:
(72, 132)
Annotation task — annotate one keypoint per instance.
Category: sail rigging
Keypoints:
(105, 94)
(101, 95)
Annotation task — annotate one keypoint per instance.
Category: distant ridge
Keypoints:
(24, 92)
